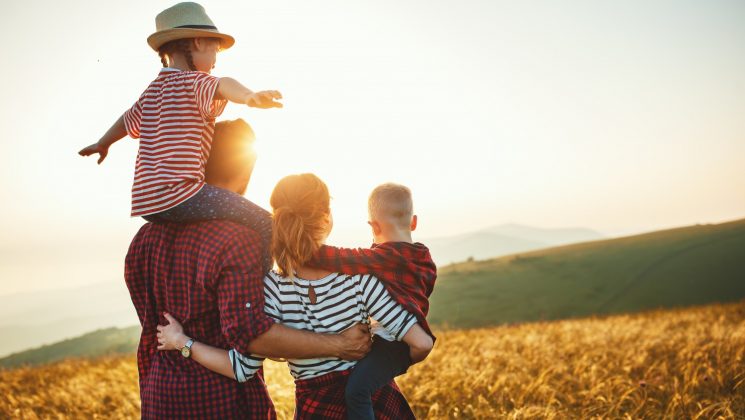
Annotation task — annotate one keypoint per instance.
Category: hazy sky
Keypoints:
(617, 116)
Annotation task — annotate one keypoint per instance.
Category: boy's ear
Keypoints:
(375, 227)
(413, 222)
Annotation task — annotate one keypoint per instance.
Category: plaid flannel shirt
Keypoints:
(208, 276)
(323, 398)
(406, 270)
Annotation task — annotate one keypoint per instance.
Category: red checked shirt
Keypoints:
(208, 276)
(175, 120)
(406, 270)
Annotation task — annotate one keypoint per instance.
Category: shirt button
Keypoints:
(248, 305)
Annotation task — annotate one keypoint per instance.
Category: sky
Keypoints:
(617, 116)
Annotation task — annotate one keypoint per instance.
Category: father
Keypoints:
(209, 276)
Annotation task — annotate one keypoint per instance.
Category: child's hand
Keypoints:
(264, 99)
(171, 336)
(93, 149)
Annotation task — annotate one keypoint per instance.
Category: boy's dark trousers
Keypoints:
(386, 360)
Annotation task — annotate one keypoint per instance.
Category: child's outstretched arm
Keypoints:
(234, 91)
(114, 134)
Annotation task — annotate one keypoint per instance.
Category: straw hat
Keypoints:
(185, 20)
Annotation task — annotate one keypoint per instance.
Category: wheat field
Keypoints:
(687, 363)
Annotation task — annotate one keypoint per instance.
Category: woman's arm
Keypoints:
(172, 337)
(420, 343)
(278, 341)
(393, 317)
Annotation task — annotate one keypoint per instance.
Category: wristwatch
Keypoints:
(186, 350)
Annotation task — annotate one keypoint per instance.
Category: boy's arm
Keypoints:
(115, 133)
(352, 260)
(233, 91)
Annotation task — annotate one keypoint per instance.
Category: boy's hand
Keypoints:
(171, 336)
(93, 149)
(264, 99)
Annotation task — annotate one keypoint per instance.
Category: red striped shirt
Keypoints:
(174, 120)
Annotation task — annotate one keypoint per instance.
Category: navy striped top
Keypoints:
(341, 301)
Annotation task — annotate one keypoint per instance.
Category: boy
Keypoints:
(406, 269)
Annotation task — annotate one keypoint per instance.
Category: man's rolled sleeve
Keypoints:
(240, 292)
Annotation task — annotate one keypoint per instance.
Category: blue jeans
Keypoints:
(214, 203)
(386, 360)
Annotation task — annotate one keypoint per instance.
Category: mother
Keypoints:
(320, 301)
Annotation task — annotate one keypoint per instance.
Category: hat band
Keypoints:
(196, 27)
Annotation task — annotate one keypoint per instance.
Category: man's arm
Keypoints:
(289, 343)
(277, 341)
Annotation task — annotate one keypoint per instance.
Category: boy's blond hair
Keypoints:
(391, 203)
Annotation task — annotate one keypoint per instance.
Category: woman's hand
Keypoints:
(171, 336)
(264, 99)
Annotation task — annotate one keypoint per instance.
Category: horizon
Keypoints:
(620, 118)
(605, 235)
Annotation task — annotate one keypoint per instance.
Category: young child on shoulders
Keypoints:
(408, 273)
(174, 119)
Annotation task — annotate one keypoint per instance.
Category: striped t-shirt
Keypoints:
(174, 120)
(341, 301)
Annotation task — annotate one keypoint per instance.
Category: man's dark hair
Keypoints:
(232, 150)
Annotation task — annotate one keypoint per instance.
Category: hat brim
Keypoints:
(157, 39)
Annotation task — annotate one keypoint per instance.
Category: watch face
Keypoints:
(186, 352)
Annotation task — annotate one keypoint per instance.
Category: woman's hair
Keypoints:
(300, 205)
(182, 46)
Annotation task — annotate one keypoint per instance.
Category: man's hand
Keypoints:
(354, 343)
(171, 336)
(95, 148)
(264, 99)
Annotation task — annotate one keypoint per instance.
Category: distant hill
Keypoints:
(503, 240)
(37, 318)
(676, 267)
(34, 319)
(98, 343)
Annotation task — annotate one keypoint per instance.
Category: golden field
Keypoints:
(687, 363)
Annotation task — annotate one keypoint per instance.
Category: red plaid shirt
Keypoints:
(323, 398)
(406, 270)
(208, 276)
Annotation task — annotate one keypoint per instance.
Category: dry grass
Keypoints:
(668, 364)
